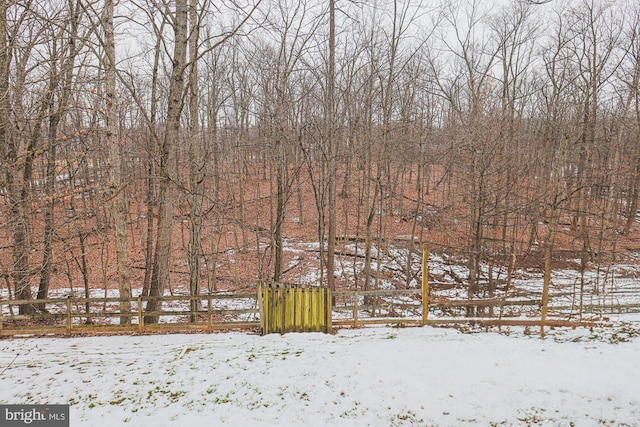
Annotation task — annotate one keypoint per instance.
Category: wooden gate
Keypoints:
(294, 308)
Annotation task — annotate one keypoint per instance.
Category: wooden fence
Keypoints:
(385, 306)
(102, 315)
(77, 316)
(404, 307)
(275, 308)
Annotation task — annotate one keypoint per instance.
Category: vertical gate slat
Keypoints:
(303, 306)
(282, 299)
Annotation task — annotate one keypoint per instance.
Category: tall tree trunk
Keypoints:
(19, 160)
(148, 244)
(117, 189)
(5, 98)
(551, 234)
(49, 190)
(162, 258)
(151, 169)
(280, 214)
(47, 245)
(331, 149)
(196, 164)
(632, 202)
(56, 117)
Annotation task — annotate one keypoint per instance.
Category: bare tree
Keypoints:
(331, 148)
(61, 80)
(196, 158)
(116, 183)
(164, 238)
(294, 29)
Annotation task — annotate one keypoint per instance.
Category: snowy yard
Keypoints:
(366, 377)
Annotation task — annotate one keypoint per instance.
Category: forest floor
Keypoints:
(237, 248)
(611, 285)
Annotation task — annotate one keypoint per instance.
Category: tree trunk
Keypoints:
(196, 165)
(331, 149)
(632, 202)
(17, 193)
(162, 258)
(279, 219)
(57, 116)
(116, 187)
(551, 235)
(47, 246)
(151, 169)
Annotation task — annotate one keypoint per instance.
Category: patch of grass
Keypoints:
(609, 423)
(406, 417)
(534, 416)
(176, 395)
(117, 401)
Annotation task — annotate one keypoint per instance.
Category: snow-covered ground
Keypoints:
(364, 377)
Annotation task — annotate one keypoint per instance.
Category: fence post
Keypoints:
(294, 309)
(355, 309)
(303, 307)
(69, 318)
(270, 307)
(261, 308)
(140, 316)
(318, 309)
(425, 283)
(329, 311)
(209, 313)
(282, 299)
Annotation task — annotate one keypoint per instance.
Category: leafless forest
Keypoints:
(150, 145)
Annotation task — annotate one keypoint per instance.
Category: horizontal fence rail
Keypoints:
(243, 311)
(96, 315)
(382, 306)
